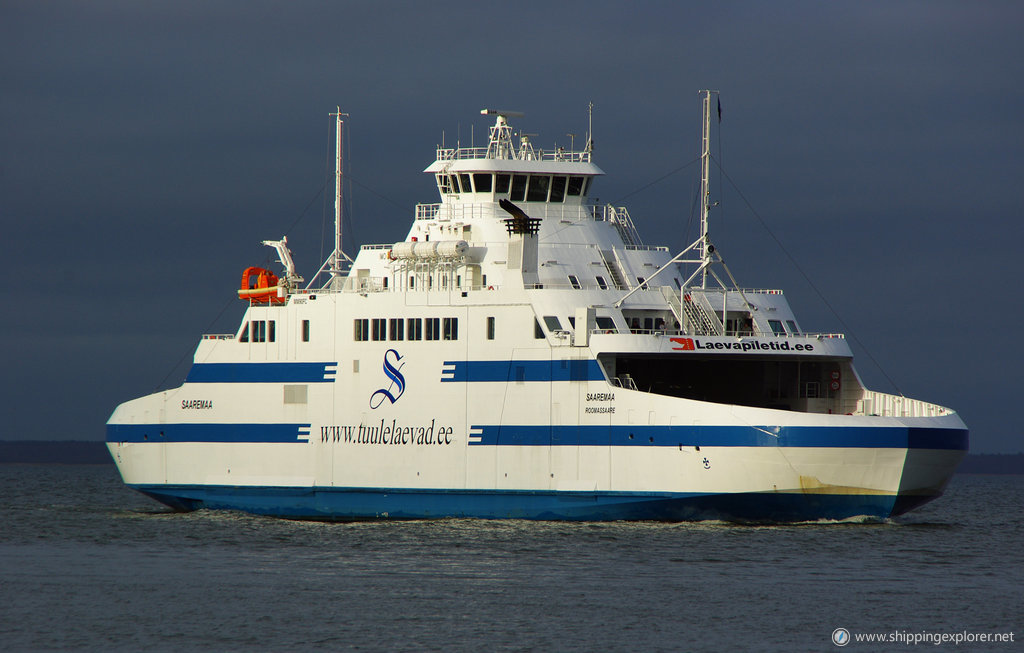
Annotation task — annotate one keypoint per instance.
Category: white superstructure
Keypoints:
(521, 353)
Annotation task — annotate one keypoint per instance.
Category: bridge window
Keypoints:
(792, 327)
(538, 330)
(574, 281)
(467, 187)
(557, 189)
(518, 188)
(605, 322)
(602, 284)
(243, 335)
(501, 183)
(482, 182)
(455, 183)
(538, 191)
(443, 184)
(575, 187)
(777, 327)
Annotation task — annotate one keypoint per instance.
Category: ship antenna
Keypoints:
(338, 257)
(704, 247)
(590, 129)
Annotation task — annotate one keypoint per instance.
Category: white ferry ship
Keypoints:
(521, 354)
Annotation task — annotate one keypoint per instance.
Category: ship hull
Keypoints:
(354, 504)
(760, 484)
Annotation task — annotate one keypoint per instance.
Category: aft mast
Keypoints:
(338, 257)
(703, 244)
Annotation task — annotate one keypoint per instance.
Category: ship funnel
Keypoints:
(522, 243)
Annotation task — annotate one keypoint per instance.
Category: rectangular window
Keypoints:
(557, 189)
(538, 191)
(777, 327)
(501, 183)
(273, 331)
(606, 323)
(414, 328)
(482, 181)
(259, 331)
(552, 323)
(379, 332)
(396, 330)
(602, 284)
(362, 330)
(433, 328)
(518, 188)
(575, 187)
(451, 328)
(467, 187)
(305, 331)
(574, 281)
(490, 328)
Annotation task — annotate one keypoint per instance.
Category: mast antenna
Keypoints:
(704, 247)
(338, 257)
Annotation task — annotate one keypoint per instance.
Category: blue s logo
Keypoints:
(395, 374)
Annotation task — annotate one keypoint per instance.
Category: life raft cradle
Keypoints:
(260, 286)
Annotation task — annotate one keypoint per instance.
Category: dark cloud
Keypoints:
(147, 145)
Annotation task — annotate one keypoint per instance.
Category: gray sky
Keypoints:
(147, 148)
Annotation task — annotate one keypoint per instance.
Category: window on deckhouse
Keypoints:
(502, 183)
(557, 189)
(433, 328)
(451, 328)
(395, 329)
(414, 328)
(482, 182)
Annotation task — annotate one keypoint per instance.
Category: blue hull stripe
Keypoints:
(261, 373)
(373, 503)
(720, 436)
(571, 436)
(208, 433)
(524, 371)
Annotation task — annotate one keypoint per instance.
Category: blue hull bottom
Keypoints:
(350, 504)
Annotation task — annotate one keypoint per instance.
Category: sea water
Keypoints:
(86, 563)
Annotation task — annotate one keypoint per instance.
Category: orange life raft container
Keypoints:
(259, 286)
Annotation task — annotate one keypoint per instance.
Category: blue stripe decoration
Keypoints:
(238, 433)
(344, 504)
(262, 373)
(522, 371)
(718, 436)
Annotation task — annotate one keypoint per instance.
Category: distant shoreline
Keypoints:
(91, 452)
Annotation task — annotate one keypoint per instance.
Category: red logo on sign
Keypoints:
(687, 344)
